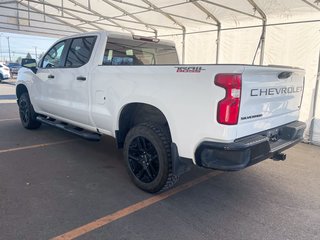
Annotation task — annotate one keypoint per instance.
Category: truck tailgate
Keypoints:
(270, 97)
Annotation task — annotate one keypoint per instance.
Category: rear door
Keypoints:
(66, 88)
(270, 97)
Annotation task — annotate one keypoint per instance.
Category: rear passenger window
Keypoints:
(80, 51)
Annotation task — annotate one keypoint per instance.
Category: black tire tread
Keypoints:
(33, 123)
(165, 137)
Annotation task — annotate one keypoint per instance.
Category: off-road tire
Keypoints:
(27, 114)
(159, 137)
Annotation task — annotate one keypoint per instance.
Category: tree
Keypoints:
(19, 60)
(28, 56)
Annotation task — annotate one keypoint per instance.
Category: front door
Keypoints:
(64, 79)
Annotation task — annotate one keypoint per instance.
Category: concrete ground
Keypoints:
(52, 182)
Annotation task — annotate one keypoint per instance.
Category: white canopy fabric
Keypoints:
(282, 32)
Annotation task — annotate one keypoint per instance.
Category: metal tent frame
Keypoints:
(46, 17)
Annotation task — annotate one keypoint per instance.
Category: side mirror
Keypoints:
(29, 63)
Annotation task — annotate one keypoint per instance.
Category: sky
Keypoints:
(21, 45)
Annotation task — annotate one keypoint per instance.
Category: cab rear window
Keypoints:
(134, 52)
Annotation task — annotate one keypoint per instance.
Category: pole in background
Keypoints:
(9, 48)
(0, 50)
(0, 47)
(218, 43)
(261, 44)
(183, 45)
(315, 104)
(35, 51)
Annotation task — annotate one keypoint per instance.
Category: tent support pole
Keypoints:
(263, 38)
(167, 15)
(213, 17)
(314, 107)
(18, 16)
(264, 24)
(53, 17)
(218, 43)
(98, 15)
(131, 16)
(231, 9)
(311, 5)
(183, 45)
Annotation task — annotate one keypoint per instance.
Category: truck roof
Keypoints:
(117, 35)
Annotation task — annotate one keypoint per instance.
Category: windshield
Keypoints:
(135, 52)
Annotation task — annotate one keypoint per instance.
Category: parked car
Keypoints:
(163, 114)
(4, 72)
(14, 68)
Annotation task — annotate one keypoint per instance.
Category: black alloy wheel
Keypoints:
(143, 159)
(24, 111)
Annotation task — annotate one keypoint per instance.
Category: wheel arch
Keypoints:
(20, 89)
(134, 113)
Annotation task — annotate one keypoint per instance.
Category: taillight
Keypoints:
(229, 107)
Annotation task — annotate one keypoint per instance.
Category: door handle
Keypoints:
(81, 78)
(50, 76)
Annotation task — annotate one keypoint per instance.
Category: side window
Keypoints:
(80, 51)
(53, 57)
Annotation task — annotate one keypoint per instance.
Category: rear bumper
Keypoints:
(250, 150)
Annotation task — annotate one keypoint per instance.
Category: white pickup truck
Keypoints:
(164, 115)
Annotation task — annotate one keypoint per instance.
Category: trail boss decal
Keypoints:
(274, 91)
(189, 69)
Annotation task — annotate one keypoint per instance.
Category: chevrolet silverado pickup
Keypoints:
(163, 114)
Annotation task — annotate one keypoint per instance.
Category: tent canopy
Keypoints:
(144, 17)
(159, 18)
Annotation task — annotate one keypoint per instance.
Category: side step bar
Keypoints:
(69, 128)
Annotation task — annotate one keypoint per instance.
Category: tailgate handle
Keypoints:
(50, 76)
(284, 75)
(81, 78)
